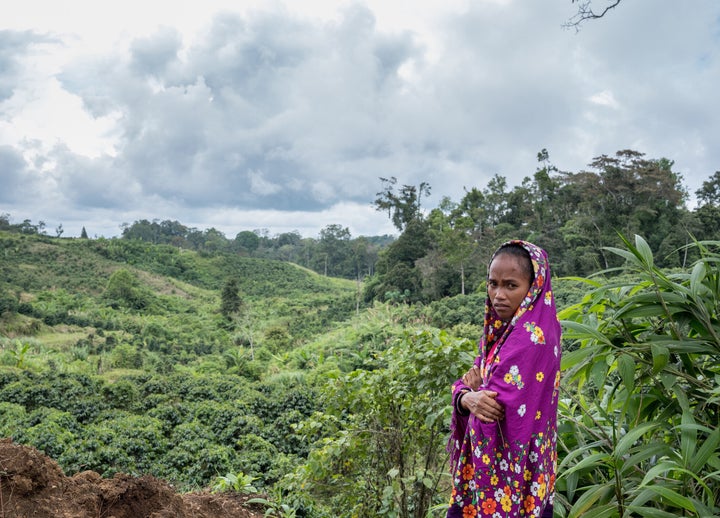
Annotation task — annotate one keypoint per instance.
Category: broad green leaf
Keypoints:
(627, 440)
(660, 355)
(644, 250)
(674, 497)
(603, 511)
(696, 278)
(588, 499)
(626, 366)
(583, 331)
(572, 358)
(629, 256)
(657, 450)
(591, 461)
(708, 448)
(688, 437)
(682, 398)
(650, 512)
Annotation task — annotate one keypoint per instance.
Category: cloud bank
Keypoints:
(268, 119)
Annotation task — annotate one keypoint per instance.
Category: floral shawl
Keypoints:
(507, 469)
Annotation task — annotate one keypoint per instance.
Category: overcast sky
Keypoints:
(244, 115)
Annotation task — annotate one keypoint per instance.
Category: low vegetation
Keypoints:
(240, 374)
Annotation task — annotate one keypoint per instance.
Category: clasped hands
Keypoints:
(481, 403)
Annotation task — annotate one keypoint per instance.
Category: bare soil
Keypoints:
(34, 485)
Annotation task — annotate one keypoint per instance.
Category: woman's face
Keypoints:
(508, 283)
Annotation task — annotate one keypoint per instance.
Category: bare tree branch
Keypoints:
(585, 12)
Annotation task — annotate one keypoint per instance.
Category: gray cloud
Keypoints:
(271, 112)
(14, 46)
(152, 56)
(12, 174)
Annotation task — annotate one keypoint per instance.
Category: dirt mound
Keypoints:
(33, 485)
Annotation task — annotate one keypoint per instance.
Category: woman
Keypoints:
(504, 424)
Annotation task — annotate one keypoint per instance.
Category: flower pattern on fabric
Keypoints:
(522, 478)
(513, 377)
(536, 332)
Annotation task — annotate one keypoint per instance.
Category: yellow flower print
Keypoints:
(494, 480)
(527, 475)
(540, 376)
(541, 491)
(506, 503)
(486, 459)
(548, 298)
(538, 415)
(508, 377)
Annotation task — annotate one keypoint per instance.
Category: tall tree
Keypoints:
(708, 211)
(335, 248)
(230, 300)
(404, 206)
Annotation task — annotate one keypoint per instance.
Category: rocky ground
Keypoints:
(33, 485)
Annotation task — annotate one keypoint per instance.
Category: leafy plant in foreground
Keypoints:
(238, 482)
(639, 432)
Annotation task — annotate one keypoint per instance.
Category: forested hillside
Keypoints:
(441, 251)
(218, 370)
(118, 355)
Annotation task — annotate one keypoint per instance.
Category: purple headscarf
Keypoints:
(507, 468)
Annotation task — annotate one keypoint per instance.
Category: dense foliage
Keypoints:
(212, 368)
(641, 427)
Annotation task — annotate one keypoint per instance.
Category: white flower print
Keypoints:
(514, 370)
(533, 456)
(503, 465)
(522, 410)
(499, 493)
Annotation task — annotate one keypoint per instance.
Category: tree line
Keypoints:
(442, 252)
(575, 216)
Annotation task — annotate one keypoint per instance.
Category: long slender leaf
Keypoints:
(688, 437)
(709, 447)
(674, 497)
(579, 330)
(591, 461)
(626, 442)
(696, 278)
(650, 512)
(626, 366)
(588, 499)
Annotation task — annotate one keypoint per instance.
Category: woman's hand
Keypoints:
(483, 405)
(472, 378)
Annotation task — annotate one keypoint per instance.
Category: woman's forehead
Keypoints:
(506, 264)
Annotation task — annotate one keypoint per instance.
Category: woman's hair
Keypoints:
(517, 250)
